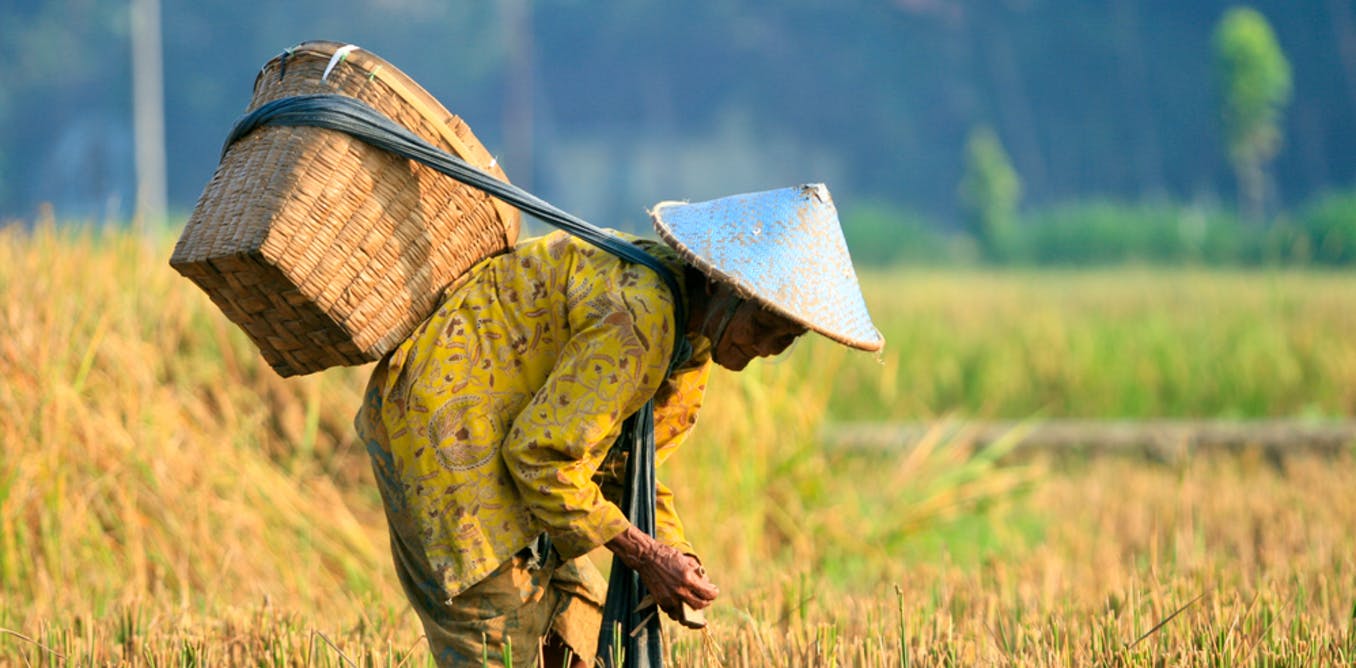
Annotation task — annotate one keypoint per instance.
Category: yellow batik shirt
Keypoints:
(494, 420)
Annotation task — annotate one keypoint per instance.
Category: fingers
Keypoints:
(703, 588)
(697, 591)
(701, 593)
(678, 584)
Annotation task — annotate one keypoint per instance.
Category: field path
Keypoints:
(1162, 438)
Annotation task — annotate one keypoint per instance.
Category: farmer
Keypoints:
(490, 428)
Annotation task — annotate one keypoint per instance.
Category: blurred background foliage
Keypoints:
(950, 131)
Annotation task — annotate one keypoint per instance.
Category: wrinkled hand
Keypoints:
(673, 578)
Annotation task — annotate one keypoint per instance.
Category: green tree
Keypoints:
(990, 191)
(1254, 81)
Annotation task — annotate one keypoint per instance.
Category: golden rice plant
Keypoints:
(166, 499)
(147, 454)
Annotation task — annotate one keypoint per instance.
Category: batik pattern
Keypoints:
(491, 423)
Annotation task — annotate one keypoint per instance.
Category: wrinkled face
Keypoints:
(753, 332)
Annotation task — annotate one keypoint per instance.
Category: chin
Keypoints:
(734, 364)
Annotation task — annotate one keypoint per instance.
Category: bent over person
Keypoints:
(491, 427)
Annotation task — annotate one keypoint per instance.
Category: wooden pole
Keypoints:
(148, 112)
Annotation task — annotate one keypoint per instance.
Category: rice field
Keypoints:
(166, 500)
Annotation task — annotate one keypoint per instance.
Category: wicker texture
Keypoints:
(326, 250)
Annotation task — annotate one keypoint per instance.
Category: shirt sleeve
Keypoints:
(612, 364)
(677, 404)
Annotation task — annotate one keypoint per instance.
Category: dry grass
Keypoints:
(1219, 563)
(164, 499)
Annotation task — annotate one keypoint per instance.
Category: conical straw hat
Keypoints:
(782, 248)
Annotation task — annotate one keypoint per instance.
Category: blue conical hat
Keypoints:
(782, 248)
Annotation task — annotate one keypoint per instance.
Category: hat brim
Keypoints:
(693, 242)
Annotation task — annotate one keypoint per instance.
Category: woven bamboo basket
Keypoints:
(326, 250)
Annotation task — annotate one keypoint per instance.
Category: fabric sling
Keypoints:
(629, 637)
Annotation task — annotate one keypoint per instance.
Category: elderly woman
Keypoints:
(492, 425)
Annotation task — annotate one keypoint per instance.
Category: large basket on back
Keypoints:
(326, 250)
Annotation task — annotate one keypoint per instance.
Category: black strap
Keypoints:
(633, 635)
(626, 631)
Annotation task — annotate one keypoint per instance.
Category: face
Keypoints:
(753, 332)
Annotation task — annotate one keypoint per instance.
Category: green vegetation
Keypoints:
(881, 235)
(1131, 343)
(1101, 233)
(1107, 232)
(989, 192)
(1329, 226)
(1254, 78)
(165, 499)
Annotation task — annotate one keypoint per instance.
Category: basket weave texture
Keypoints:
(326, 250)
